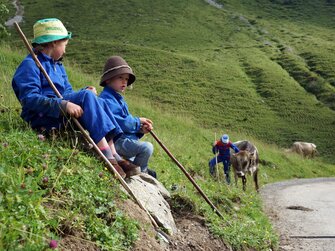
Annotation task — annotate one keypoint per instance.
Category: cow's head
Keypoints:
(241, 162)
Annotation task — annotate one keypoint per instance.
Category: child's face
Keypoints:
(59, 49)
(119, 82)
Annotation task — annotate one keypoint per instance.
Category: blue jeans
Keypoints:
(226, 166)
(138, 151)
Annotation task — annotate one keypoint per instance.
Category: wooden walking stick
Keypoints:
(216, 161)
(186, 174)
(110, 167)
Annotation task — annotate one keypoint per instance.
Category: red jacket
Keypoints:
(223, 149)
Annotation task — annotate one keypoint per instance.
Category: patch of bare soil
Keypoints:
(193, 234)
(71, 238)
(147, 236)
(74, 243)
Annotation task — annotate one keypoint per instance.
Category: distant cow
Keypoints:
(305, 149)
(245, 161)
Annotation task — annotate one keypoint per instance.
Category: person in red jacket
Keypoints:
(223, 148)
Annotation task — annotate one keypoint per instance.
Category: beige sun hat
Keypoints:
(48, 30)
(114, 66)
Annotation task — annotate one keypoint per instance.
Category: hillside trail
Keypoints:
(192, 235)
(18, 14)
(302, 211)
(214, 3)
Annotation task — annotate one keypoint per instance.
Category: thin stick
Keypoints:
(110, 167)
(187, 174)
(216, 161)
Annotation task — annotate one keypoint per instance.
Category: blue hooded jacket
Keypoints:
(129, 124)
(40, 105)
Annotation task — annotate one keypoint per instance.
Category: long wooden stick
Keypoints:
(216, 161)
(110, 167)
(186, 174)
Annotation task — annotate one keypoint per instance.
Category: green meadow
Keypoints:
(258, 70)
(264, 68)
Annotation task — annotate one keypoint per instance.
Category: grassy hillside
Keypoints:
(264, 68)
(259, 70)
(50, 190)
(34, 212)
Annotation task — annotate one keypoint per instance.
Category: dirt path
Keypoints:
(192, 235)
(18, 14)
(303, 213)
(215, 4)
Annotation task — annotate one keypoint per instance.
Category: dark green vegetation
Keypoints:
(260, 70)
(3, 14)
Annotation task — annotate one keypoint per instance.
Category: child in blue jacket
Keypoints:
(223, 148)
(43, 110)
(117, 75)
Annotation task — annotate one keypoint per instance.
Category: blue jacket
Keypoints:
(223, 149)
(40, 105)
(129, 124)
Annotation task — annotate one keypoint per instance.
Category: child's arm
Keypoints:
(73, 109)
(127, 122)
(92, 89)
(215, 148)
(27, 87)
(146, 125)
(67, 85)
(234, 147)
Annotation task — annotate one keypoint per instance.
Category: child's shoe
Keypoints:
(118, 168)
(152, 173)
(129, 168)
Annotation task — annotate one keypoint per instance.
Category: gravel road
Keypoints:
(303, 212)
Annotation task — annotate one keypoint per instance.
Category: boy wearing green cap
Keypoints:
(117, 75)
(43, 110)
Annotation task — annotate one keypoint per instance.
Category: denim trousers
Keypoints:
(226, 166)
(137, 151)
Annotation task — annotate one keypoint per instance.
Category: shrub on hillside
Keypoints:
(332, 81)
(3, 14)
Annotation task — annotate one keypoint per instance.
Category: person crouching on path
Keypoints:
(223, 148)
(117, 75)
(43, 110)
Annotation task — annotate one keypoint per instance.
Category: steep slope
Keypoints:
(253, 68)
(262, 68)
(77, 206)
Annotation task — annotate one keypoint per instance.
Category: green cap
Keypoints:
(48, 30)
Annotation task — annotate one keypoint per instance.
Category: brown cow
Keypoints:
(245, 161)
(305, 149)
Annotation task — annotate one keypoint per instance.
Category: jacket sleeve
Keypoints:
(214, 149)
(234, 147)
(128, 123)
(27, 87)
(67, 85)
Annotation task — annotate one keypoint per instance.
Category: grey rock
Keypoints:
(151, 193)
